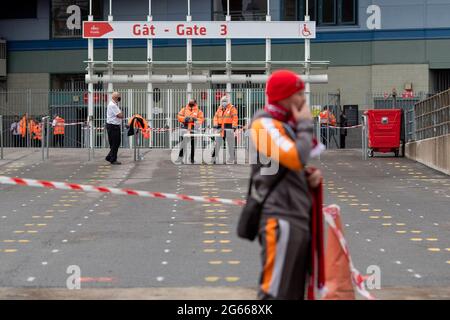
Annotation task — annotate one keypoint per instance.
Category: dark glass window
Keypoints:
(18, 9)
(249, 10)
(68, 16)
(327, 9)
(325, 12)
(347, 11)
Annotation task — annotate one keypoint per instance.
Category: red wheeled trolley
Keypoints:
(385, 130)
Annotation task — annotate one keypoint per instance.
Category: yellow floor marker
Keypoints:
(215, 262)
(432, 239)
(209, 250)
(434, 249)
(401, 232)
(416, 239)
(232, 279)
(10, 250)
(212, 279)
(209, 241)
(234, 262)
(226, 250)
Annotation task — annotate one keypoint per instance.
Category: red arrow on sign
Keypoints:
(95, 29)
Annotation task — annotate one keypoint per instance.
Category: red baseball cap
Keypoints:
(282, 84)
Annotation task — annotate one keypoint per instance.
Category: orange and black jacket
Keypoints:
(137, 121)
(289, 148)
(226, 118)
(190, 116)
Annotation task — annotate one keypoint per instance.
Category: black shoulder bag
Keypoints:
(250, 217)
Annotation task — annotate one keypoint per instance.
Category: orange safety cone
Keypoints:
(338, 279)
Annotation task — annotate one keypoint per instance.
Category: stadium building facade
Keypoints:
(372, 46)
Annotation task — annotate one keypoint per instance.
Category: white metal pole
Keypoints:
(189, 55)
(268, 43)
(110, 54)
(307, 59)
(228, 52)
(150, 71)
(90, 85)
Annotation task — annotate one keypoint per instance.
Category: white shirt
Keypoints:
(112, 112)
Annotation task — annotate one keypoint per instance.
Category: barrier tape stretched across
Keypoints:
(330, 212)
(351, 127)
(100, 189)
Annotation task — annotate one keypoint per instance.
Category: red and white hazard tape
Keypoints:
(126, 192)
(350, 127)
(331, 212)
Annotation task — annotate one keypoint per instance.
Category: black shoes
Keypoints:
(116, 163)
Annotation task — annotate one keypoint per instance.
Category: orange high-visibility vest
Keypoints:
(59, 126)
(137, 124)
(224, 116)
(193, 112)
(23, 126)
(324, 118)
(37, 131)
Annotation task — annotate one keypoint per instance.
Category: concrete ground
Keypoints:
(395, 212)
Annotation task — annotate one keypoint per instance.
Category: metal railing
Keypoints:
(71, 105)
(432, 116)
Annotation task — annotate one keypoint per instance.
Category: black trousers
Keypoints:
(285, 259)
(114, 141)
(58, 140)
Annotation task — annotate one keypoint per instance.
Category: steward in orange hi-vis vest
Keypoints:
(226, 116)
(58, 125)
(190, 116)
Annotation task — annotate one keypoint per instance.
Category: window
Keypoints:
(18, 9)
(347, 11)
(68, 16)
(249, 10)
(325, 12)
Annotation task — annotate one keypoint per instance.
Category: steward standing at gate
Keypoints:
(189, 118)
(114, 118)
(226, 120)
(283, 132)
(58, 125)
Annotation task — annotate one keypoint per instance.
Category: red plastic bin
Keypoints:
(384, 128)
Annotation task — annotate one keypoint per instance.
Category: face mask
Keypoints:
(191, 104)
(118, 99)
(224, 104)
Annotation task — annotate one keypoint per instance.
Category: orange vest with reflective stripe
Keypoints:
(324, 118)
(59, 126)
(137, 124)
(193, 112)
(23, 126)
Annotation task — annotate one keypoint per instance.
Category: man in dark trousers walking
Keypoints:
(114, 118)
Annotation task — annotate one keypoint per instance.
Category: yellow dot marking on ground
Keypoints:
(209, 250)
(386, 224)
(24, 241)
(48, 217)
(224, 232)
(400, 231)
(374, 217)
(354, 204)
(447, 249)
(448, 262)
(206, 205)
(31, 231)
(29, 224)
(232, 279)
(19, 231)
(416, 231)
(376, 210)
(224, 241)
(416, 239)
(431, 239)
(365, 204)
(434, 249)
(62, 210)
(387, 217)
(50, 210)
(208, 224)
(215, 262)
(41, 224)
(9, 241)
(210, 217)
(234, 262)
(211, 279)
(209, 210)
(226, 250)
(221, 210)
(209, 241)
(209, 232)
(400, 224)
(10, 250)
